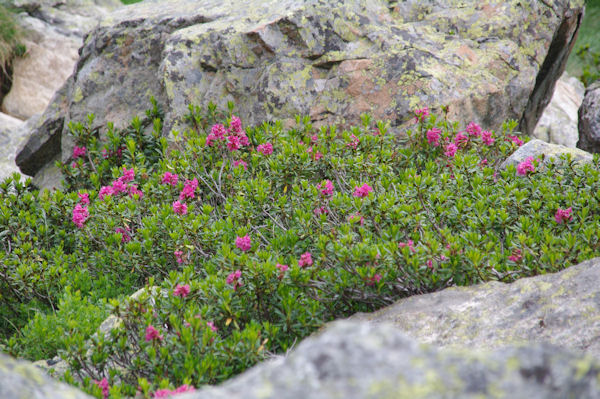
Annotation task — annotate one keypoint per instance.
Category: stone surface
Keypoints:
(53, 34)
(561, 308)
(330, 59)
(11, 137)
(558, 124)
(589, 119)
(355, 360)
(20, 379)
(535, 148)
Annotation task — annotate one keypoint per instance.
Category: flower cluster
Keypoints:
(362, 191)
(80, 215)
(234, 137)
(121, 186)
(243, 243)
(563, 215)
(167, 393)
(525, 167)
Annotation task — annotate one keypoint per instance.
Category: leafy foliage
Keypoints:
(246, 240)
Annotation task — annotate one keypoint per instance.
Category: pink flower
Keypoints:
(433, 136)
(80, 215)
(473, 129)
(233, 279)
(179, 208)
(483, 162)
(487, 138)
(105, 153)
(354, 141)
(305, 260)
(104, 191)
(181, 290)
(133, 191)
(421, 113)
(119, 186)
(74, 165)
(265, 149)
(243, 243)
(516, 255)
(282, 268)
(240, 162)
(451, 150)
(563, 215)
(372, 280)
(188, 189)
(314, 138)
(125, 237)
(84, 198)
(526, 166)
(211, 325)
(429, 264)
(233, 143)
(210, 140)
(78, 152)
(362, 191)
(515, 140)
(128, 175)
(318, 156)
(170, 178)
(326, 188)
(152, 334)
(219, 131)
(178, 256)
(376, 132)
(460, 140)
(243, 139)
(103, 384)
(410, 244)
(167, 393)
(236, 124)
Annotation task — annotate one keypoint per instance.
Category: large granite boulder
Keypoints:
(589, 119)
(330, 59)
(558, 124)
(561, 308)
(20, 379)
(53, 33)
(354, 360)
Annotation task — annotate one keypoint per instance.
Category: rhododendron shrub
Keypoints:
(247, 241)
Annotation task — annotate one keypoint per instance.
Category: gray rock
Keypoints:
(589, 119)
(53, 34)
(11, 137)
(330, 59)
(20, 379)
(534, 148)
(558, 124)
(355, 360)
(561, 309)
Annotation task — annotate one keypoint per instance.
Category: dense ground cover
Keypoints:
(250, 238)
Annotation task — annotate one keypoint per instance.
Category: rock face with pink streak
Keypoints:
(330, 59)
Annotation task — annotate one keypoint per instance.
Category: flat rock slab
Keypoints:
(534, 148)
(355, 360)
(330, 59)
(561, 308)
(21, 379)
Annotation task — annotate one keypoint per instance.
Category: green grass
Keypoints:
(9, 37)
(589, 34)
(130, 1)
